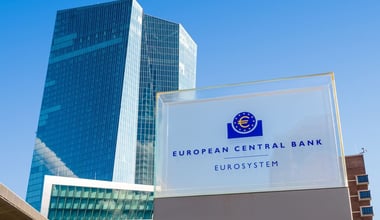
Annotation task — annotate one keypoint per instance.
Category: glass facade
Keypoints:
(73, 202)
(79, 118)
(125, 158)
(164, 59)
(97, 113)
(75, 198)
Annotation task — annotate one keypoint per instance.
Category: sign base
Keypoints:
(315, 204)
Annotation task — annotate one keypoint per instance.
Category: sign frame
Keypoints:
(175, 160)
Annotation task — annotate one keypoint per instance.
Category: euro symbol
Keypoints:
(243, 122)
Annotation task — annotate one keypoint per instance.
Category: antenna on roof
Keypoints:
(363, 150)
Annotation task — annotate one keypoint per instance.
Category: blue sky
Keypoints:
(238, 41)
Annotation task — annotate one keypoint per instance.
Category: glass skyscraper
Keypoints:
(168, 57)
(107, 61)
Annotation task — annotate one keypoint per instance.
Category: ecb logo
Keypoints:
(244, 125)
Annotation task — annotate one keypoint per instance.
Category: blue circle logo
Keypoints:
(244, 122)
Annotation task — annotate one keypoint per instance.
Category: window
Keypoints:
(362, 179)
(364, 195)
(366, 211)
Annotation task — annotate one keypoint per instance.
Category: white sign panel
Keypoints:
(262, 141)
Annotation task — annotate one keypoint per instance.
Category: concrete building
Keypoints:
(12, 207)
